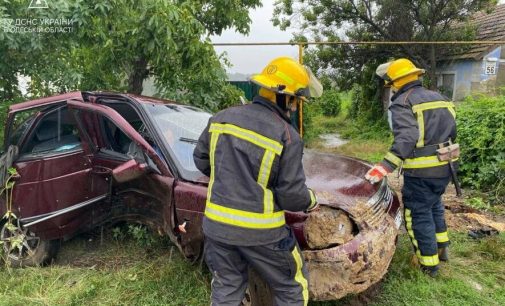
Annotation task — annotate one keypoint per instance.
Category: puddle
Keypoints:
(333, 140)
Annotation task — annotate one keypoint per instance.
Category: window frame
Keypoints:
(29, 134)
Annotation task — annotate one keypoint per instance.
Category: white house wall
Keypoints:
(470, 75)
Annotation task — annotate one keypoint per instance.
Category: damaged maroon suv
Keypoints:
(85, 159)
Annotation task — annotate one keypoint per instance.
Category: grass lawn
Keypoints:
(123, 272)
(126, 272)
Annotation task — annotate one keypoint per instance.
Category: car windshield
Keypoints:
(180, 126)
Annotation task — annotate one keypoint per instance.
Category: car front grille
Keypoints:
(379, 205)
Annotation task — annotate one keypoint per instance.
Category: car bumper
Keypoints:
(352, 267)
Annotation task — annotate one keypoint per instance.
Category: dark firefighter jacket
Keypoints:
(253, 157)
(421, 120)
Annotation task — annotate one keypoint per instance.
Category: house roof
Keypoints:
(490, 26)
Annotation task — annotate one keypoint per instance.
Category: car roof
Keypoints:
(76, 95)
(145, 99)
(79, 95)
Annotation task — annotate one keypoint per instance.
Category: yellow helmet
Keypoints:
(286, 76)
(401, 68)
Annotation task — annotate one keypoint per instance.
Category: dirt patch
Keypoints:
(459, 216)
(328, 226)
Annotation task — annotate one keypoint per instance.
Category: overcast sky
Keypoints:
(251, 59)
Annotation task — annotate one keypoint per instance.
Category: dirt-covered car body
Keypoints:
(90, 158)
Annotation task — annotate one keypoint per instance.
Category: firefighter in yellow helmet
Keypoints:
(424, 128)
(253, 157)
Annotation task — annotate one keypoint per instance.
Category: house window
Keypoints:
(445, 83)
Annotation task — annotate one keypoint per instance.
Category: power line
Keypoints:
(470, 42)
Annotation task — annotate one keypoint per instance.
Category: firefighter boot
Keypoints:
(431, 271)
(443, 254)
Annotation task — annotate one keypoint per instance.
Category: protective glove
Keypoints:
(314, 204)
(377, 173)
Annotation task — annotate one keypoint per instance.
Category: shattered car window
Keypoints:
(21, 123)
(56, 132)
(180, 127)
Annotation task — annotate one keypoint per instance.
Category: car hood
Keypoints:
(338, 181)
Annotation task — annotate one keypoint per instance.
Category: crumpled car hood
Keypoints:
(338, 181)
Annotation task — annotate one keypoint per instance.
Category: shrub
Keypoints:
(310, 110)
(4, 109)
(481, 134)
(330, 102)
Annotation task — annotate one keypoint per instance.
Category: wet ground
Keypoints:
(332, 140)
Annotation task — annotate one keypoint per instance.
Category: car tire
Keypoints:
(34, 252)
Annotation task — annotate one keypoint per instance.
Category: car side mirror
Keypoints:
(129, 171)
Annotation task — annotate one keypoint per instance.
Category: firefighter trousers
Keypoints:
(424, 217)
(280, 264)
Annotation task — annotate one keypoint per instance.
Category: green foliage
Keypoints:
(481, 134)
(366, 116)
(140, 234)
(317, 124)
(478, 203)
(229, 96)
(373, 20)
(330, 102)
(366, 103)
(311, 129)
(116, 45)
(9, 220)
(4, 109)
(366, 140)
(358, 118)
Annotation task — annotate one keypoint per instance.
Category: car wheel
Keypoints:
(23, 248)
(258, 293)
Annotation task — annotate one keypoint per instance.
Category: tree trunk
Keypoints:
(137, 77)
(432, 73)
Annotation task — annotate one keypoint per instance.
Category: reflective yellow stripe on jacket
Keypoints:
(395, 160)
(418, 109)
(425, 161)
(241, 218)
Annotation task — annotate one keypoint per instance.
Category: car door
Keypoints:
(57, 186)
(144, 199)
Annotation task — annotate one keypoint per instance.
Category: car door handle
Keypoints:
(102, 171)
